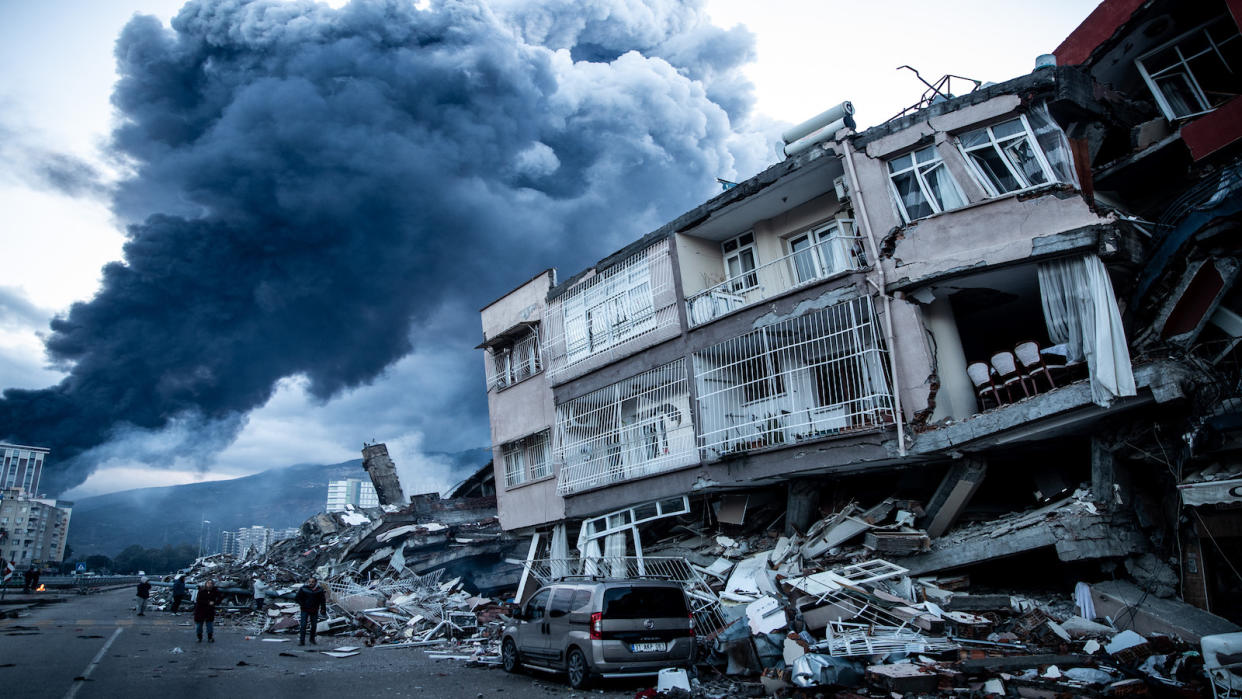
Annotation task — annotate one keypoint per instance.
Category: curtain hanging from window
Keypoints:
(1053, 142)
(1081, 312)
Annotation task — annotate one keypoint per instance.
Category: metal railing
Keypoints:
(821, 374)
(515, 363)
(636, 427)
(602, 315)
(709, 619)
(828, 257)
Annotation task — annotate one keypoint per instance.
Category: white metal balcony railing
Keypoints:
(603, 313)
(830, 256)
(634, 428)
(817, 375)
(514, 363)
(704, 604)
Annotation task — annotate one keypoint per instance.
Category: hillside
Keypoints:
(153, 517)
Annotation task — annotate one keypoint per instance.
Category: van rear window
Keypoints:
(644, 602)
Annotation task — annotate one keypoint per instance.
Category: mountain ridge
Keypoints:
(170, 515)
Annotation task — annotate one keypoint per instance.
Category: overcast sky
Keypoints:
(54, 98)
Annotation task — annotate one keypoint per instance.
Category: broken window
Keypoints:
(1010, 156)
(740, 262)
(527, 459)
(1196, 72)
(635, 427)
(922, 184)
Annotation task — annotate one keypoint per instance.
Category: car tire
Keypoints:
(509, 659)
(577, 669)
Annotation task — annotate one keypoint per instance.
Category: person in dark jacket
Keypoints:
(205, 603)
(178, 592)
(312, 600)
(144, 593)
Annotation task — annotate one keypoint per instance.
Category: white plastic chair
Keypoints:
(1033, 363)
(1007, 371)
(981, 376)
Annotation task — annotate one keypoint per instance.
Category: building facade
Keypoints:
(21, 467)
(351, 491)
(1028, 284)
(254, 538)
(33, 531)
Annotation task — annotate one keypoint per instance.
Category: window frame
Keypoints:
(918, 170)
(1182, 66)
(747, 278)
(520, 467)
(816, 237)
(998, 147)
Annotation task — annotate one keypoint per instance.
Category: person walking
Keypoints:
(205, 603)
(144, 593)
(178, 592)
(312, 600)
(260, 593)
(27, 576)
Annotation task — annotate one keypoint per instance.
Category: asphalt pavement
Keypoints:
(95, 646)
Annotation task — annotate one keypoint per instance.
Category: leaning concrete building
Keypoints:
(980, 305)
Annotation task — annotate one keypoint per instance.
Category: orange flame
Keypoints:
(40, 588)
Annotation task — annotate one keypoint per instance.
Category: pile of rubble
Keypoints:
(863, 604)
(866, 604)
(385, 570)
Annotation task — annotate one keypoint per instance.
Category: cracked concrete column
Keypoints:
(956, 396)
(383, 474)
(953, 494)
(801, 506)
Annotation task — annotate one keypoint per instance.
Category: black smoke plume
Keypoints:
(307, 185)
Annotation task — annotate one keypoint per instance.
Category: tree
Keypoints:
(98, 563)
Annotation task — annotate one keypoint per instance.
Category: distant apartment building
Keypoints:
(33, 531)
(21, 467)
(1033, 280)
(351, 491)
(257, 538)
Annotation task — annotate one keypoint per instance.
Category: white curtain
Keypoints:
(559, 552)
(1053, 142)
(1081, 312)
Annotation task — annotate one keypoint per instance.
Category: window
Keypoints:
(562, 602)
(516, 361)
(740, 262)
(526, 459)
(1005, 157)
(1196, 72)
(823, 251)
(922, 184)
(537, 604)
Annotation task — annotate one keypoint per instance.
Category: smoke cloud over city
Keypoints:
(306, 187)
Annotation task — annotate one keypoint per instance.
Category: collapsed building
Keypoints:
(1010, 311)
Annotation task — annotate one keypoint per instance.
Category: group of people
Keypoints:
(311, 598)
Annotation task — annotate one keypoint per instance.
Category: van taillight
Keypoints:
(597, 626)
(692, 624)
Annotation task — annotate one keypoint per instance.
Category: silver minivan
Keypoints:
(601, 628)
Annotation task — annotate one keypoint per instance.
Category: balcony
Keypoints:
(823, 259)
(819, 375)
(634, 428)
(515, 362)
(607, 315)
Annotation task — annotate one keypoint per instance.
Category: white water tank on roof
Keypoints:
(845, 110)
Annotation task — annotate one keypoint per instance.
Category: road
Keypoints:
(98, 638)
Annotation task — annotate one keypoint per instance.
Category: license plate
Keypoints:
(648, 647)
